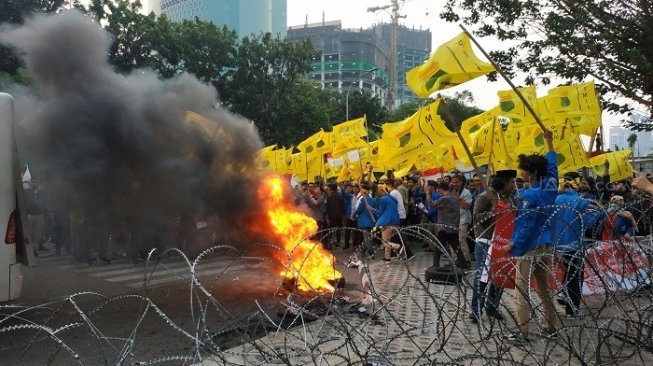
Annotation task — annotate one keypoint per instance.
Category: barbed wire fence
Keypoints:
(386, 314)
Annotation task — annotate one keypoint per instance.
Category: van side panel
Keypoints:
(9, 289)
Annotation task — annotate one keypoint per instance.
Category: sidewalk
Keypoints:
(418, 323)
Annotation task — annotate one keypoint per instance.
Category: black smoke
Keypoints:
(117, 149)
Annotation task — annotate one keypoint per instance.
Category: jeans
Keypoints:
(479, 292)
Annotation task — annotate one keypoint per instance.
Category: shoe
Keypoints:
(473, 318)
(518, 338)
(493, 313)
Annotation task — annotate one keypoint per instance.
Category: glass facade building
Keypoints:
(247, 17)
(349, 54)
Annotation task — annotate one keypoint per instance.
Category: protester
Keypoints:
(619, 223)
(387, 219)
(448, 206)
(364, 218)
(335, 214)
(430, 212)
(644, 184)
(35, 212)
(532, 237)
(348, 222)
(568, 239)
(401, 188)
(485, 211)
(465, 199)
(394, 192)
(315, 201)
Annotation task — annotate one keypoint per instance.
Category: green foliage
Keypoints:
(605, 40)
(404, 111)
(631, 140)
(15, 12)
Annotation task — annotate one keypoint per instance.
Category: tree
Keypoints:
(632, 140)
(608, 41)
(266, 85)
(404, 110)
(461, 106)
(15, 12)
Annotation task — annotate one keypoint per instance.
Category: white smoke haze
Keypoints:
(117, 148)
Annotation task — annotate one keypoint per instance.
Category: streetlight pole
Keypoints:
(367, 136)
(349, 89)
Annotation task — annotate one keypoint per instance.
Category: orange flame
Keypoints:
(310, 265)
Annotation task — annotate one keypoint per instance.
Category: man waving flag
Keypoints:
(453, 63)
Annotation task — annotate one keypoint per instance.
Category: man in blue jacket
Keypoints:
(532, 237)
(387, 219)
(568, 234)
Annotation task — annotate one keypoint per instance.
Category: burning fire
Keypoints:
(311, 266)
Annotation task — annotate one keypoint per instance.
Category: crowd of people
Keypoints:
(527, 216)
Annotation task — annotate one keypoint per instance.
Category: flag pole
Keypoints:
(589, 152)
(489, 162)
(452, 119)
(506, 78)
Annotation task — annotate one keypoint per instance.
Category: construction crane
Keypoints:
(394, 17)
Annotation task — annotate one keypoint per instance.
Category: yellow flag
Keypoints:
(511, 106)
(579, 104)
(316, 143)
(348, 136)
(453, 63)
(266, 158)
(420, 132)
(478, 132)
(620, 167)
(280, 165)
(372, 155)
(566, 143)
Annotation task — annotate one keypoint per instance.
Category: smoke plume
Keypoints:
(116, 151)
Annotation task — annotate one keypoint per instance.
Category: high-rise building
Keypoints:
(246, 17)
(360, 58)
(619, 139)
(413, 48)
(351, 59)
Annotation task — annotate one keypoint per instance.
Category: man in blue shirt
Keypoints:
(387, 219)
(568, 235)
(531, 237)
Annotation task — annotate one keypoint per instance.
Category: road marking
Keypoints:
(167, 271)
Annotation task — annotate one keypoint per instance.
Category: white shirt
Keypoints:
(465, 214)
(400, 203)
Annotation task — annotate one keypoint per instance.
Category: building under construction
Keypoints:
(360, 59)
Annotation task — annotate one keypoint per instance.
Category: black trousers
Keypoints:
(448, 240)
(573, 286)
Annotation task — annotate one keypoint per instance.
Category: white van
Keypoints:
(15, 249)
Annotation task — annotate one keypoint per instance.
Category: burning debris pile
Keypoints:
(306, 264)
